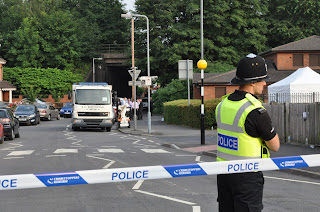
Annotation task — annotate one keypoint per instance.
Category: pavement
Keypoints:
(189, 139)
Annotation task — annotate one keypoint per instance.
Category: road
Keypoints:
(53, 147)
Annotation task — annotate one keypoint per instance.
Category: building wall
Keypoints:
(209, 91)
(284, 61)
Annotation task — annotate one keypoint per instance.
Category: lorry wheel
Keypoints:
(108, 129)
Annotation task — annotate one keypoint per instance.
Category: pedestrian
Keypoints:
(242, 120)
(140, 109)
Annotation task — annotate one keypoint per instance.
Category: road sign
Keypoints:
(185, 69)
(148, 81)
(138, 83)
(132, 74)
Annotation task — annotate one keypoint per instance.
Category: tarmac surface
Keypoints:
(189, 139)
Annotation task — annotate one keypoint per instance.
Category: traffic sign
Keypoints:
(132, 74)
(138, 83)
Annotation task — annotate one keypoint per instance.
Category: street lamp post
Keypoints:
(148, 63)
(93, 69)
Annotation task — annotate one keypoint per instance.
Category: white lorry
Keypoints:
(92, 106)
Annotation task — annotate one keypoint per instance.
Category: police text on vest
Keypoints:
(228, 142)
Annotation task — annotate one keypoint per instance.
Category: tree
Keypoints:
(177, 89)
(292, 20)
(232, 29)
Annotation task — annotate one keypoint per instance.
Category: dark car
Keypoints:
(10, 124)
(66, 110)
(27, 114)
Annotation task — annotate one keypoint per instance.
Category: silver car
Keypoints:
(48, 112)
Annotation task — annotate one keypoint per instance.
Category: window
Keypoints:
(220, 91)
(314, 60)
(298, 60)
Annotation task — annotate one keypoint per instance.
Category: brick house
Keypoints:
(281, 62)
(6, 88)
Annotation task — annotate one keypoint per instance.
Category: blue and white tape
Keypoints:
(23, 181)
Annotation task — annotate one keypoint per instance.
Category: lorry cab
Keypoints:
(92, 106)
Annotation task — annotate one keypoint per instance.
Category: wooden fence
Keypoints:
(296, 122)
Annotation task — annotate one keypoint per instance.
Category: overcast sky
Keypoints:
(130, 4)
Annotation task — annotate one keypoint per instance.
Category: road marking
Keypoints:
(291, 180)
(186, 155)
(198, 158)
(18, 153)
(12, 158)
(17, 144)
(175, 146)
(196, 209)
(137, 185)
(59, 151)
(49, 156)
(106, 166)
(165, 197)
(155, 151)
(111, 150)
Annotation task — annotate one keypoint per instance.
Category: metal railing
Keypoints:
(310, 97)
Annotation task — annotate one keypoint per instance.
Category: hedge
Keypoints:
(178, 112)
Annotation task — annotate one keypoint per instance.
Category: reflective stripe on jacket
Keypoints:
(233, 141)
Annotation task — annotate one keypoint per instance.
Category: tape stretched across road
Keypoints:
(23, 181)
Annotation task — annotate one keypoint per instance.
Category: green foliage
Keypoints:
(232, 29)
(177, 89)
(180, 113)
(216, 67)
(49, 81)
(291, 20)
(31, 93)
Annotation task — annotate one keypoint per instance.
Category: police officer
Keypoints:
(244, 122)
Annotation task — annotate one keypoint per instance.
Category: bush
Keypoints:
(47, 81)
(180, 113)
(177, 89)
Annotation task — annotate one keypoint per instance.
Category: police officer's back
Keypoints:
(245, 132)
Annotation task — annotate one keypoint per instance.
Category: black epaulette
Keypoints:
(262, 110)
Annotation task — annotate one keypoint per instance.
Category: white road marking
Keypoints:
(106, 166)
(59, 151)
(15, 145)
(49, 156)
(151, 141)
(186, 155)
(137, 185)
(12, 158)
(165, 197)
(155, 151)
(111, 150)
(198, 159)
(18, 153)
(175, 146)
(291, 180)
(196, 209)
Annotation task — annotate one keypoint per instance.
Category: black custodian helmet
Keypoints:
(251, 68)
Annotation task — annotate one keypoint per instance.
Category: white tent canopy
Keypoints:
(299, 87)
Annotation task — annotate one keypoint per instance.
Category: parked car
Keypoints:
(27, 114)
(66, 110)
(48, 112)
(10, 124)
(1, 134)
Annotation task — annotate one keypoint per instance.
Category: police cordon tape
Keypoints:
(24, 181)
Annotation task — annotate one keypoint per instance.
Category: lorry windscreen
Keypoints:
(93, 96)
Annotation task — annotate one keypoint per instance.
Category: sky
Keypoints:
(130, 4)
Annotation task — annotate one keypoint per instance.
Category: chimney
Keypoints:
(2, 62)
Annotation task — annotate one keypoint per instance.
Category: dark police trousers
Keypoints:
(240, 192)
